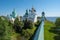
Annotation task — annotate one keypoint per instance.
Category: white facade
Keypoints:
(32, 16)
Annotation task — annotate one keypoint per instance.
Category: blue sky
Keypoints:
(50, 7)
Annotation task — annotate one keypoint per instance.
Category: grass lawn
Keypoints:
(48, 35)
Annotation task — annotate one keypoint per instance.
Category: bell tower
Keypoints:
(43, 16)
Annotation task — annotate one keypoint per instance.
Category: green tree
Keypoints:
(57, 23)
(28, 24)
(18, 25)
(5, 30)
(37, 24)
(2, 29)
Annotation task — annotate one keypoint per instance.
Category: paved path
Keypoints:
(40, 32)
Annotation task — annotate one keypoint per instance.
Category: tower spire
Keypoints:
(26, 12)
(33, 10)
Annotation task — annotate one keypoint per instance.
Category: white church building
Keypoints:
(31, 15)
